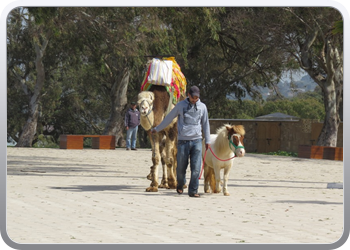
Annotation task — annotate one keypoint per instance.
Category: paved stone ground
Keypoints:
(98, 196)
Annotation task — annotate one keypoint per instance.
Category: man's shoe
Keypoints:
(133, 149)
(194, 195)
(127, 148)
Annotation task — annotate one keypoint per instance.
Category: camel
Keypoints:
(153, 106)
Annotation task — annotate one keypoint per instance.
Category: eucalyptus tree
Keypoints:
(112, 46)
(43, 58)
(268, 41)
(319, 52)
(26, 46)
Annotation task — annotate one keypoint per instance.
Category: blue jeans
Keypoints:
(131, 135)
(189, 150)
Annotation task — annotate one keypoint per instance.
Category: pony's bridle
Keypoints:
(231, 142)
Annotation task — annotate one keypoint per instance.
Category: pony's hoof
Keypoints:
(163, 186)
(152, 189)
(207, 191)
(227, 194)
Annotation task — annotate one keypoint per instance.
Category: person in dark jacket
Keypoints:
(132, 122)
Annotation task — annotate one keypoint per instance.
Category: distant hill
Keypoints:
(286, 88)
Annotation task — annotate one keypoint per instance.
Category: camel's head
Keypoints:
(145, 102)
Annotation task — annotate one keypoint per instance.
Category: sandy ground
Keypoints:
(98, 196)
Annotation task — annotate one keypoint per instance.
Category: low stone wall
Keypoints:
(273, 135)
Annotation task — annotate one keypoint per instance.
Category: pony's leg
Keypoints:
(209, 179)
(207, 173)
(226, 174)
(217, 179)
(155, 159)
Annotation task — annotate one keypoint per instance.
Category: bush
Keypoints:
(45, 141)
(283, 153)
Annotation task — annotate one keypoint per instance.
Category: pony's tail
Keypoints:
(209, 177)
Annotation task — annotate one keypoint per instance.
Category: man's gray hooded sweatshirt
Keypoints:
(191, 119)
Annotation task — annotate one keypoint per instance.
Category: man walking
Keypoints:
(192, 117)
(132, 121)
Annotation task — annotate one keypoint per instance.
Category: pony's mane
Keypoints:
(239, 129)
(221, 143)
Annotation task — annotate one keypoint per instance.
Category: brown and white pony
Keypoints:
(225, 144)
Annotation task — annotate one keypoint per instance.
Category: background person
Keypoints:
(192, 117)
(132, 121)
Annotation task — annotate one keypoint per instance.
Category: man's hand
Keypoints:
(127, 128)
(207, 146)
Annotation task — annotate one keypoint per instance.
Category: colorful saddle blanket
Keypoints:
(158, 73)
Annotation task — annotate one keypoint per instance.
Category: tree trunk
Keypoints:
(29, 129)
(115, 124)
(332, 84)
(329, 133)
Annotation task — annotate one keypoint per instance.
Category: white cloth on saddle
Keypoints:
(160, 72)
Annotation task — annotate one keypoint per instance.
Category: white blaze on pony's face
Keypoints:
(145, 101)
(237, 139)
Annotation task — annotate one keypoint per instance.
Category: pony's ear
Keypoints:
(229, 128)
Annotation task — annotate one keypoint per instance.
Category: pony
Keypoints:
(226, 144)
(154, 105)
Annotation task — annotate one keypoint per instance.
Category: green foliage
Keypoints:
(306, 106)
(283, 153)
(225, 51)
(338, 27)
(45, 142)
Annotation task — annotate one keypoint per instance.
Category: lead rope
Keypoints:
(205, 154)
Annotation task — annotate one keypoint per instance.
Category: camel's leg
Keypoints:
(217, 179)
(155, 159)
(149, 176)
(226, 174)
(170, 162)
(174, 154)
(164, 182)
(170, 152)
